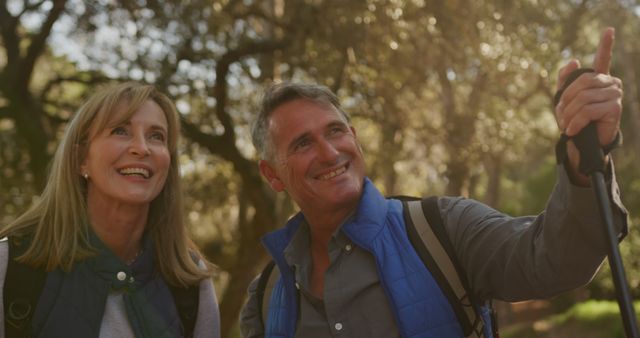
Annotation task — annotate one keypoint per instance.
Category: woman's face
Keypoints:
(127, 164)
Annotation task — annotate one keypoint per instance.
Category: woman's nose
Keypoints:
(139, 146)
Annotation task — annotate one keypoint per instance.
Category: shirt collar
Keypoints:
(297, 251)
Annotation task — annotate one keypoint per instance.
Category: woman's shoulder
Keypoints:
(4, 259)
(4, 248)
(208, 322)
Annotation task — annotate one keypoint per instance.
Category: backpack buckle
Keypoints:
(18, 312)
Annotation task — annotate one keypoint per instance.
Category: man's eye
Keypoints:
(302, 144)
(336, 130)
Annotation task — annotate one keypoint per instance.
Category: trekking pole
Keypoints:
(592, 164)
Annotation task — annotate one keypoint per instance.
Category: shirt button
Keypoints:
(297, 286)
(338, 326)
(121, 276)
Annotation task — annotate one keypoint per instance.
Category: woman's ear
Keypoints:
(81, 155)
(269, 173)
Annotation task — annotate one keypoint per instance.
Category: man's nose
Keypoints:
(327, 150)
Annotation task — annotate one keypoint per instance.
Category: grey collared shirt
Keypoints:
(351, 288)
(506, 258)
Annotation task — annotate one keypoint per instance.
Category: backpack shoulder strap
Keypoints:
(266, 282)
(22, 288)
(426, 232)
(187, 301)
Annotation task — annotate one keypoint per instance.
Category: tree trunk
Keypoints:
(630, 91)
(493, 165)
(460, 130)
(21, 54)
(28, 119)
(390, 149)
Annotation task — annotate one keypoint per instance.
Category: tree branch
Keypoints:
(219, 90)
(540, 87)
(5, 112)
(38, 41)
(339, 76)
(84, 78)
(56, 119)
(27, 7)
(572, 24)
(8, 26)
(205, 140)
(479, 87)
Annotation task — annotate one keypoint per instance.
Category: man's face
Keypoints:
(315, 156)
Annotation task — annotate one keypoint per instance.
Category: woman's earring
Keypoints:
(86, 176)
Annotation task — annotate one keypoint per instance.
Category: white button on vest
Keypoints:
(338, 326)
(297, 286)
(121, 275)
(348, 247)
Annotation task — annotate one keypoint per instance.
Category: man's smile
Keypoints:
(333, 173)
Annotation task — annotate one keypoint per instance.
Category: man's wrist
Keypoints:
(569, 158)
(561, 147)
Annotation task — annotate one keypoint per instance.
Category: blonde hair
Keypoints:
(58, 221)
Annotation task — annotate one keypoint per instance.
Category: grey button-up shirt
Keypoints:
(507, 258)
(351, 287)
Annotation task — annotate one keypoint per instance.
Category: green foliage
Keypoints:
(602, 286)
(447, 96)
(527, 189)
(591, 319)
(13, 169)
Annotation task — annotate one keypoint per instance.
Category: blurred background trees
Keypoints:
(448, 97)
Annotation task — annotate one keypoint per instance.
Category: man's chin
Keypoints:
(346, 197)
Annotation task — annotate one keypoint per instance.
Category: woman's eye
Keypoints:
(119, 131)
(158, 136)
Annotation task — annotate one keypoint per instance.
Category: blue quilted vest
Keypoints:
(419, 306)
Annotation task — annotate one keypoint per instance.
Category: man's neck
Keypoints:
(324, 224)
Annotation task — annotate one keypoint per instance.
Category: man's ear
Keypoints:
(270, 175)
(355, 137)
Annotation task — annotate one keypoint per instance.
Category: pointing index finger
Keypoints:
(602, 61)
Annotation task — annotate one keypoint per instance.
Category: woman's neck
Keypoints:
(120, 227)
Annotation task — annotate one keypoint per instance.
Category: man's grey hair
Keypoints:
(282, 93)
